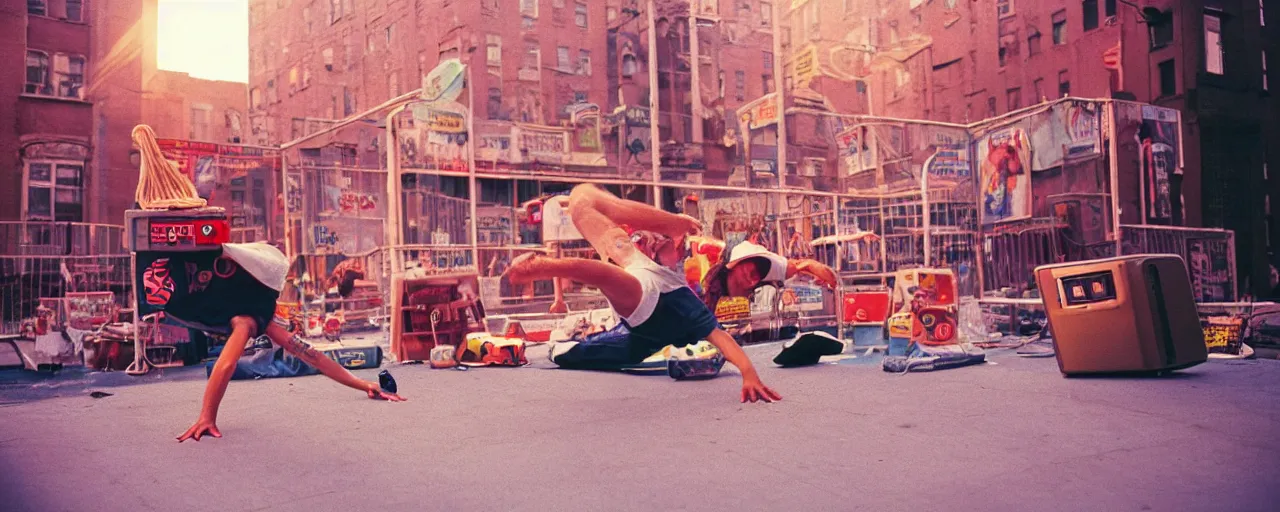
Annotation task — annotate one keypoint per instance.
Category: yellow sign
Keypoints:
(733, 308)
(439, 120)
(796, 4)
(761, 113)
(805, 66)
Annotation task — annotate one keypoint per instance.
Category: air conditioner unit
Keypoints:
(811, 168)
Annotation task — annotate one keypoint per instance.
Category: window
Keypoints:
(1064, 83)
(1039, 90)
(69, 72)
(529, 8)
(1161, 30)
(271, 92)
(200, 115)
(348, 102)
(766, 14)
(584, 62)
(991, 106)
(1090, 14)
(37, 73)
(562, 59)
(1168, 78)
(1213, 53)
(495, 103)
(1013, 98)
(493, 50)
(37, 7)
(1004, 8)
(532, 56)
(580, 14)
(75, 10)
(1110, 7)
(370, 42)
(1002, 54)
(610, 13)
(579, 97)
(233, 121)
(740, 85)
(55, 190)
(629, 65)
(393, 84)
(1060, 27)
(766, 81)
(744, 8)
(1033, 41)
(768, 60)
(255, 98)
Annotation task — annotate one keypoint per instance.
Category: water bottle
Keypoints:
(386, 382)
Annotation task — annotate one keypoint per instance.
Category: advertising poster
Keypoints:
(1159, 161)
(1004, 158)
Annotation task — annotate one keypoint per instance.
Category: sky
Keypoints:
(206, 38)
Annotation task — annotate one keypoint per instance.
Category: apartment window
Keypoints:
(629, 65)
(1090, 14)
(55, 190)
(529, 7)
(1213, 53)
(562, 59)
(740, 85)
(1002, 55)
(335, 11)
(271, 92)
(371, 42)
(766, 82)
(38, 73)
(532, 56)
(1110, 7)
(768, 60)
(991, 106)
(743, 8)
(37, 7)
(1033, 41)
(1064, 83)
(200, 115)
(1060, 27)
(1039, 90)
(610, 13)
(580, 14)
(348, 102)
(1004, 8)
(579, 97)
(69, 73)
(766, 14)
(1013, 98)
(255, 98)
(1168, 78)
(75, 10)
(1162, 30)
(584, 62)
(493, 50)
(495, 103)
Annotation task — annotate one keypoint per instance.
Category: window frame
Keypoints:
(581, 14)
(1172, 90)
(47, 74)
(52, 187)
(44, 8)
(1059, 27)
(67, 12)
(1222, 52)
(1090, 15)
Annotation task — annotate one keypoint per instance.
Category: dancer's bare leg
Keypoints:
(598, 214)
(621, 288)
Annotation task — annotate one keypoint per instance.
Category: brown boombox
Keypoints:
(1127, 314)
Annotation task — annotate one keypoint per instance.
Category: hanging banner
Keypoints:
(1159, 160)
(759, 113)
(1005, 157)
(543, 144)
(436, 120)
(586, 128)
(444, 83)
(1081, 121)
(805, 66)
(950, 162)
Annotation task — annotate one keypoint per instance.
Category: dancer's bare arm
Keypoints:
(330, 368)
(241, 326)
(752, 388)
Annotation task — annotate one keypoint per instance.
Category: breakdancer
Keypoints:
(655, 304)
(237, 288)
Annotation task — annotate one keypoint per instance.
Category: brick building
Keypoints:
(178, 106)
(963, 61)
(78, 79)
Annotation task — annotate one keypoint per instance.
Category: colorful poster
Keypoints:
(586, 128)
(1159, 160)
(1005, 157)
(1081, 120)
(950, 162)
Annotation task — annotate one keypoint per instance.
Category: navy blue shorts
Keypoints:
(679, 319)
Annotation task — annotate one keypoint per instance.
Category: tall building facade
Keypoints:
(964, 61)
(80, 75)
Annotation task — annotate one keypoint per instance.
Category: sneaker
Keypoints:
(559, 348)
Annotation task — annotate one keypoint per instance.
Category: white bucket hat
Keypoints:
(263, 261)
(747, 250)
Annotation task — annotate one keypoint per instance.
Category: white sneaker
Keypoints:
(559, 348)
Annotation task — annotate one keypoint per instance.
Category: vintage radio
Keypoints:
(1127, 314)
(197, 229)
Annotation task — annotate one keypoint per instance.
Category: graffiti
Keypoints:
(349, 202)
(542, 144)
(1006, 189)
(324, 237)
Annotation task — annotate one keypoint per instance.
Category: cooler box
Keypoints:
(1127, 314)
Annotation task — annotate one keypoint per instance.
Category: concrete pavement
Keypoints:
(1013, 435)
